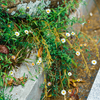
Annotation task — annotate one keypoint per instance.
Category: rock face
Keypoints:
(28, 6)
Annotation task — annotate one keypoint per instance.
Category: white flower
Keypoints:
(69, 91)
(91, 14)
(67, 34)
(49, 83)
(48, 11)
(63, 40)
(72, 33)
(63, 92)
(77, 53)
(26, 31)
(11, 73)
(39, 61)
(17, 33)
(94, 62)
(78, 80)
(69, 73)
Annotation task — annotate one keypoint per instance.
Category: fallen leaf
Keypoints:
(4, 49)
(40, 52)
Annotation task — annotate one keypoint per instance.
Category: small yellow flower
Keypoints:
(81, 45)
(27, 7)
(69, 91)
(85, 44)
(13, 57)
(33, 64)
(17, 33)
(3, 6)
(39, 61)
(70, 98)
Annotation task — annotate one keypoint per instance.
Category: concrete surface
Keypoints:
(95, 90)
(31, 90)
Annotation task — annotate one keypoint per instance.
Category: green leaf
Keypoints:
(11, 89)
(36, 77)
(22, 84)
(32, 79)
(1, 82)
(24, 75)
(73, 63)
(30, 73)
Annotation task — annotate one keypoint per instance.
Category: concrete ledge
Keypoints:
(31, 90)
(95, 90)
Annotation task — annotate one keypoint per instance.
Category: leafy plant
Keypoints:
(49, 33)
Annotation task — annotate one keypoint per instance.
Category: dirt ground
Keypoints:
(92, 29)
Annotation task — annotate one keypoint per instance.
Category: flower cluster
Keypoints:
(39, 61)
(68, 35)
(26, 31)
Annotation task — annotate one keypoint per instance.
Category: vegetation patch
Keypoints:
(51, 35)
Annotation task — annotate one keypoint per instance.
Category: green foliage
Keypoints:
(4, 96)
(47, 30)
